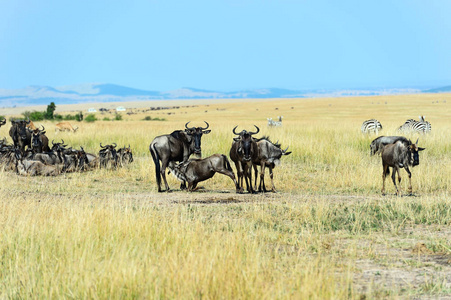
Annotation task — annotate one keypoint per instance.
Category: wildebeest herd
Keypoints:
(31, 155)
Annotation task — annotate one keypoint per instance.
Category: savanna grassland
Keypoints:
(327, 233)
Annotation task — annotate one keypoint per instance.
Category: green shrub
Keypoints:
(106, 119)
(118, 117)
(34, 115)
(57, 117)
(91, 118)
(147, 118)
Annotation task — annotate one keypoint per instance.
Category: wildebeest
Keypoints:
(125, 155)
(378, 143)
(177, 147)
(196, 170)
(20, 134)
(34, 168)
(108, 156)
(65, 126)
(399, 155)
(243, 151)
(39, 141)
(2, 122)
(372, 125)
(269, 155)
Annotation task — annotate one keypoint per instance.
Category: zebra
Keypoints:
(412, 125)
(271, 122)
(372, 125)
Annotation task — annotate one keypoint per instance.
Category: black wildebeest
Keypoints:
(378, 143)
(34, 167)
(177, 147)
(20, 134)
(108, 156)
(399, 155)
(39, 141)
(196, 170)
(243, 151)
(269, 155)
(125, 156)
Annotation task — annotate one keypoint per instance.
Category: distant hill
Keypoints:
(99, 92)
(445, 89)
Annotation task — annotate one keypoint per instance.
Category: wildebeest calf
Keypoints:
(196, 170)
(399, 155)
(378, 143)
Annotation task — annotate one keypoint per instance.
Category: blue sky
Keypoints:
(226, 45)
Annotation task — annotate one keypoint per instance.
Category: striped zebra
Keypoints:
(372, 125)
(412, 125)
(271, 122)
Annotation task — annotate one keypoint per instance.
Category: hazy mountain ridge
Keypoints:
(96, 92)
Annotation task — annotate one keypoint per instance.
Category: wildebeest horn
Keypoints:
(286, 149)
(53, 142)
(205, 127)
(186, 125)
(234, 130)
(103, 147)
(43, 128)
(416, 143)
(115, 145)
(258, 130)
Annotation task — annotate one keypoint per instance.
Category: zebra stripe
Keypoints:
(412, 125)
(372, 125)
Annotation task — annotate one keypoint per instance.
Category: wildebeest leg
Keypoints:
(410, 180)
(262, 186)
(239, 173)
(393, 177)
(384, 175)
(271, 175)
(256, 175)
(230, 174)
(248, 178)
(164, 165)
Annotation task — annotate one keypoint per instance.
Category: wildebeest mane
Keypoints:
(178, 134)
(266, 138)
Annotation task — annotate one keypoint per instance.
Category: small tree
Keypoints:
(50, 110)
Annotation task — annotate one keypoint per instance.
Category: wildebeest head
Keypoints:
(58, 146)
(413, 153)
(36, 139)
(195, 136)
(246, 143)
(126, 154)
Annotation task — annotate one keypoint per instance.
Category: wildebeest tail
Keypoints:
(156, 160)
(226, 163)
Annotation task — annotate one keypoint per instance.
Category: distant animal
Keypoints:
(399, 155)
(20, 134)
(269, 155)
(196, 170)
(244, 150)
(39, 141)
(371, 125)
(411, 125)
(378, 143)
(177, 147)
(273, 123)
(65, 126)
(2, 122)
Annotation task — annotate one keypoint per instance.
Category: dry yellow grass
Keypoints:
(108, 234)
